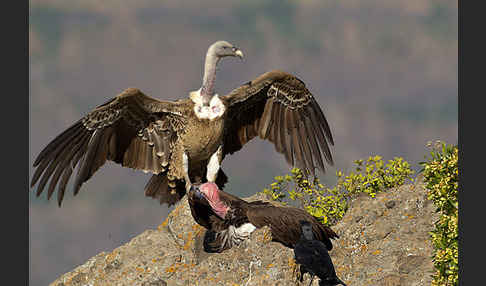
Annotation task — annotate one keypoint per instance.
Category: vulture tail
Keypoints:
(158, 188)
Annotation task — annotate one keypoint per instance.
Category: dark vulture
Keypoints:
(229, 220)
(161, 137)
(313, 257)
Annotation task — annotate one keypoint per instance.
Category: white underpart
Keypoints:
(214, 110)
(185, 163)
(185, 166)
(238, 235)
(245, 230)
(214, 165)
(234, 236)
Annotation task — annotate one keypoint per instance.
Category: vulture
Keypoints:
(313, 257)
(165, 138)
(230, 220)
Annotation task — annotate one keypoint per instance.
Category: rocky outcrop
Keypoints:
(383, 241)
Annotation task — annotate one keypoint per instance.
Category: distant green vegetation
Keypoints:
(441, 178)
(329, 205)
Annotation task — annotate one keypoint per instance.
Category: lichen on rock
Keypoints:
(383, 241)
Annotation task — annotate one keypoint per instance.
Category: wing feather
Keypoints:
(111, 132)
(313, 142)
(285, 224)
(321, 137)
(282, 132)
(67, 173)
(296, 142)
(75, 128)
(266, 119)
(288, 139)
(325, 125)
(66, 158)
(45, 158)
(276, 128)
(305, 146)
(84, 170)
(286, 114)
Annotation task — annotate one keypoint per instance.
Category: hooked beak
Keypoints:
(197, 191)
(239, 53)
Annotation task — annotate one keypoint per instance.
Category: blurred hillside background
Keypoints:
(384, 72)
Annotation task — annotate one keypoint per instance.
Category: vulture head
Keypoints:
(307, 230)
(223, 49)
(216, 52)
(210, 193)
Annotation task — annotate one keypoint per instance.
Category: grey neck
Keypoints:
(207, 89)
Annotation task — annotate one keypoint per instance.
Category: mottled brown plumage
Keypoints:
(277, 106)
(284, 222)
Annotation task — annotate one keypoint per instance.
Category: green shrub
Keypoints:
(441, 177)
(329, 205)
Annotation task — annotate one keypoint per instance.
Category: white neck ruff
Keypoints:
(215, 109)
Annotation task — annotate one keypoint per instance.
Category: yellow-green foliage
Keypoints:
(441, 178)
(330, 204)
(373, 176)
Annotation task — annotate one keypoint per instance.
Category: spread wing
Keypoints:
(285, 224)
(132, 129)
(277, 106)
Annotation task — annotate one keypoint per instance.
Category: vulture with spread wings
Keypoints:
(186, 140)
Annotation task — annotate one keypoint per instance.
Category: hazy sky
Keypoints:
(384, 72)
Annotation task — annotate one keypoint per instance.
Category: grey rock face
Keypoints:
(381, 243)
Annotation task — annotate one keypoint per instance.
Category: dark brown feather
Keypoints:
(325, 125)
(256, 125)
(282, 132)
(54, 151)
(284, 222)
(299, 158)
(142, 155)
(288, 137)
(158, 187)
(48, 172)
(305, 146)
(58, 140)
(276, 128)
(67, 173)
(85, 167)
(312, 142)
(283, 100)
(55, 159)
(109, 132)
(320, 136)
(66, 159)
(266, 119)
